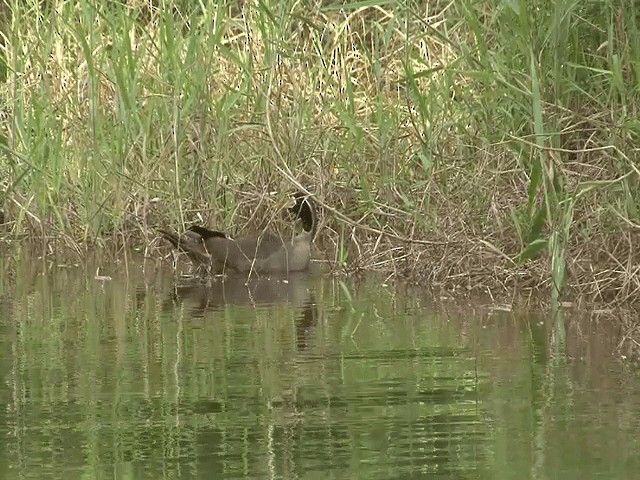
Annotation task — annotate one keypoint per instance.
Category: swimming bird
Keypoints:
(217, 253)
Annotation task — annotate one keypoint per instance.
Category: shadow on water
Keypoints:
(153, 376)
(200, 296)
(295, 291)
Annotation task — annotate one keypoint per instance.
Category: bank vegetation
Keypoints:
(484, 145)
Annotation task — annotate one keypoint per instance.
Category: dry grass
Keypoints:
(442, 145)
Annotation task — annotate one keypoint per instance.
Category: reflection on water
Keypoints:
(200, 296)
(152, 376)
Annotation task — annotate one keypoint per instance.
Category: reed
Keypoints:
(473, 144)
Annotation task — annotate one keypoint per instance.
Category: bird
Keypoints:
(192, 243)
(216, 253)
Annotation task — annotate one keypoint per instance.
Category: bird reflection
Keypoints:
(294, 289)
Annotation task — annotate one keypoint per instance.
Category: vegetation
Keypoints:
(478, 144)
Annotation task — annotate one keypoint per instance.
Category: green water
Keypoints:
(147, 376)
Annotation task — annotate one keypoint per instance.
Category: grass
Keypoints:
(482, 145)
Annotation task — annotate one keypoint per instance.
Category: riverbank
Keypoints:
(474, 148)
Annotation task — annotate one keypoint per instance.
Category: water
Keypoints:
(147, 376)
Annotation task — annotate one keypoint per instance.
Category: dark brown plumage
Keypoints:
(265, 253)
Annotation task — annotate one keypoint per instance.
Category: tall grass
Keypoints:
(482, 144)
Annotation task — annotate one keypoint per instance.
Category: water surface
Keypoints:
(150, 376)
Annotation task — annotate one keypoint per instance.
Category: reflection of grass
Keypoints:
(110, 375)
(474, 146)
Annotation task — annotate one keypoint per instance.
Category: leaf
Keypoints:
(532, 250)
(539, 219)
